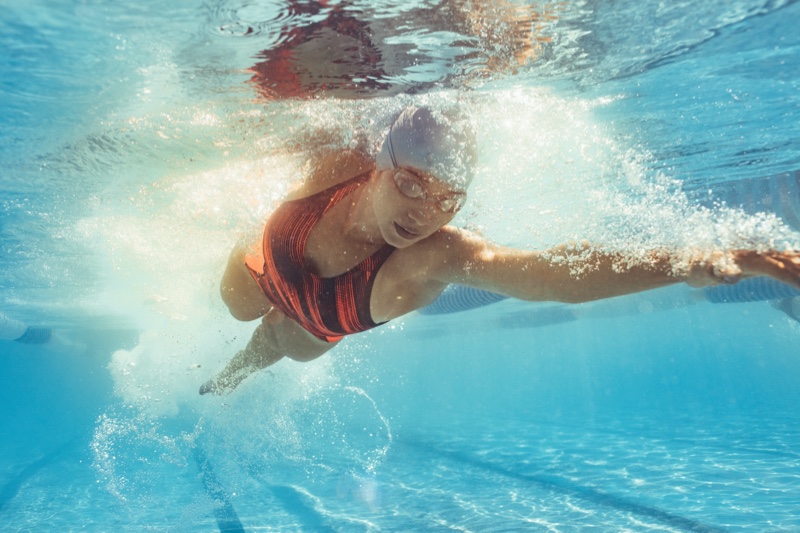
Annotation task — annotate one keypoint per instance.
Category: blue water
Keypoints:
(136, 150)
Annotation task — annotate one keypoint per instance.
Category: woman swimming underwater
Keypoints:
(365, 240)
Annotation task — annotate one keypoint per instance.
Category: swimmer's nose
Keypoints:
(418, 216)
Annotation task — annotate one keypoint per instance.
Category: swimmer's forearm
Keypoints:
(570, 274)
(573, 276)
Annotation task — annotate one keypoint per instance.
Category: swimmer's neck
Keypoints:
(356, 216)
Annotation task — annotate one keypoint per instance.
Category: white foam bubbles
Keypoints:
(161, 250)
(552, 173)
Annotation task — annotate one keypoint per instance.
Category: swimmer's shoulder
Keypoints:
(448, 249)
(325, 170)
(454, 239)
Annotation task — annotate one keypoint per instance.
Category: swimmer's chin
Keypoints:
(400, 237)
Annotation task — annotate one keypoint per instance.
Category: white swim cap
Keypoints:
(438, 145)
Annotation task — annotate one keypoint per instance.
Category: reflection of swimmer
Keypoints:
(344, 50)
(365, 240)
(14, 330)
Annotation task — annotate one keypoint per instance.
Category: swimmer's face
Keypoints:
(411, 205)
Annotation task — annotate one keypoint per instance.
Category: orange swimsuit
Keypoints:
(328, 308)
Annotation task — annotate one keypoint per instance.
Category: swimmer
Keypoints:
(366, 240)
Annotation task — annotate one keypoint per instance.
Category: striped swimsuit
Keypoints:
(328, 308)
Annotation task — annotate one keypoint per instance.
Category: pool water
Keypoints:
(140, 142)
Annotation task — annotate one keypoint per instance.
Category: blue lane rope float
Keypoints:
(750, 290)
(12, 329)
(456, 298)
(35, 335)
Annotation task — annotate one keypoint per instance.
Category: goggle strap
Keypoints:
(391, 147)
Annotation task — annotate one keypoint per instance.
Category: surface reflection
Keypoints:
(349, 50)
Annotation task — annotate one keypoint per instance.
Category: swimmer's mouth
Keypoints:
(404, 233)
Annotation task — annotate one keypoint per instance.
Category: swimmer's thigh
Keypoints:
(239, 291)
(295, 342)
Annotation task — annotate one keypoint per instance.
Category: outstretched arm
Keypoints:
(576, 274)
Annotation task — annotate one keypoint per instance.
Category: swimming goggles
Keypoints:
(411, 186)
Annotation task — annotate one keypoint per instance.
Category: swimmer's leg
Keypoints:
(275, 338)
(238, 289)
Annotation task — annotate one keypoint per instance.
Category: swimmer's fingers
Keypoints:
(782, 266)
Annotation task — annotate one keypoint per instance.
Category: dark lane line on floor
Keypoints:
(564, 486)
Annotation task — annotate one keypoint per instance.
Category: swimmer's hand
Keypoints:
(732, 267)
(210, 386)
(229, 378)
